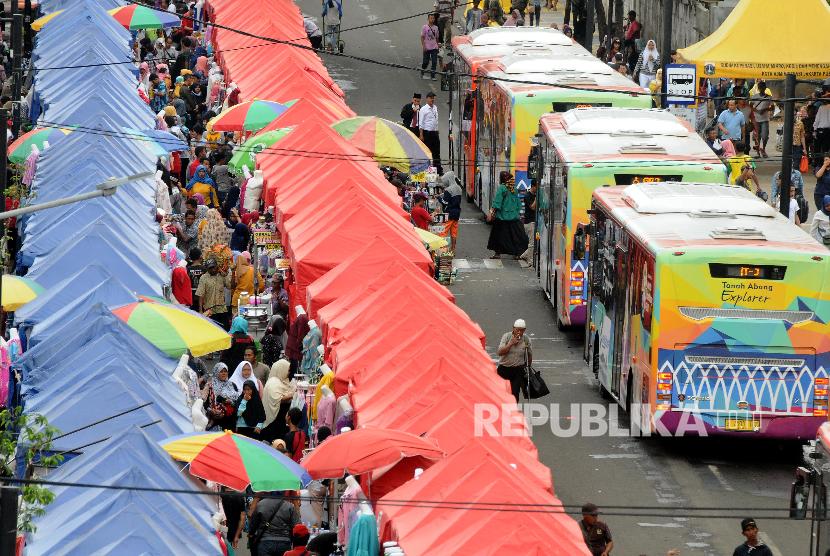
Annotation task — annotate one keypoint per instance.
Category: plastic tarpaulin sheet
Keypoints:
(135, 523)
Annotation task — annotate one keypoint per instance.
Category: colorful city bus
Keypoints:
(485, 45)
(511, 103)
(582, 149)
(708, 311)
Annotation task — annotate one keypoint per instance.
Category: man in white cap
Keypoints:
(515, 355)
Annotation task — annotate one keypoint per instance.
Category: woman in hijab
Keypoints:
(240, 238)
(201, 65)
(272, 340)
(240, 340)
(220, 397)
(244, 279)
(276, 398)
(212, 231)
(144, 75)
(820, 227)
(249, 411)
(294, 345)
(245, 372)
(647, 64)
(508, 233)
(202, 183)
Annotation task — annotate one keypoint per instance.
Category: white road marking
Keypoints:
(493, 263)
(719, 476)
(667, 525)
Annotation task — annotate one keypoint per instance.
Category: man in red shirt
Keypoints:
(299, 540)
(420, 216)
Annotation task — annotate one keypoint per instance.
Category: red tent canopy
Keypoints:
(378, 262)
(422, 345)
(296, 188)
(485, 488)
(315, 205)
(291, 83)
(324, 109)
(409, 295)
(480, 383)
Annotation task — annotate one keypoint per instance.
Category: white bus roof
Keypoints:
(586, 135)
(631, 121)
(565, 62)
(674, 215)
(685, 198)
(542, 80)
(492, 36)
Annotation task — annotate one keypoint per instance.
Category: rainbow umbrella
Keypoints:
(18, 291)
(251, 115)
(245, 154)
(21, 148)
(172, 328)
(135, 16)
(389, 143)
(236, 461)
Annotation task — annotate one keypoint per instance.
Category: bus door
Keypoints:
(620, 311)
(593, 225)
(481, 144)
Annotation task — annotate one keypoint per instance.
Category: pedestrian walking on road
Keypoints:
(647, 64)
(526, 258)
(428, 128)
(429, 46)
(820, 227)
(409, 114)
(507, 236)
(731, 122)
(473, 19)
(597, 535)
(451, 202)
(445, 9)
(515, 355)
(762, 109)
(753, 545)
(535, 11)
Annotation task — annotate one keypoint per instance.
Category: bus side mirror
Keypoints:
(579, 243)
(800, 493)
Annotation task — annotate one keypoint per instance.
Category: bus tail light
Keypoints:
(820, 397)
(663, 407)
(664, 376)
(822, 381)
(819, 413)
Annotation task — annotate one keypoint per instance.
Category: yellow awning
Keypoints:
(766, 39)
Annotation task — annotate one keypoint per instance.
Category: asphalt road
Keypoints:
(733, 479)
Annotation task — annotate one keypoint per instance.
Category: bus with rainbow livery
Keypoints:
(708, 311)
(582, 149)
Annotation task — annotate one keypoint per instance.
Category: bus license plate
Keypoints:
(742, 424)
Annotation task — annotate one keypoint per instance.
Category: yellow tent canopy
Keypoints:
(766, 39)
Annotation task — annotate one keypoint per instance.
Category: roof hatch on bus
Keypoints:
(623, 121)
(642, 148)
(689, 198)
(539, 61)
(504, 36)
(736, 232)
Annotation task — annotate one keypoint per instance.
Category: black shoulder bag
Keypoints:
(253, 541)
(536, 387)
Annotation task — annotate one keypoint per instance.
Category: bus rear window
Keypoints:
(747, 271)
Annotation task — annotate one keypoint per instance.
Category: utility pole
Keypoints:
(787, 145)
(8, 519)
(589, 26)
(665, 54)
(4, 167)
(17, 69)
(609, 36)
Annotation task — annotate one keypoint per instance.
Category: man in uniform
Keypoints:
(597, 535)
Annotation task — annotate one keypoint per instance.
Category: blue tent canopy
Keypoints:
(72, 110)
(95, 355)
(142, 272)
(111, 293)
(49, 6)
(73, 335)
(62, 224)
(80, 406)
(90, 11)
(128, 522)
(64, 292)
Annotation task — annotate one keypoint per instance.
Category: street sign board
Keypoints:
(681, 83)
